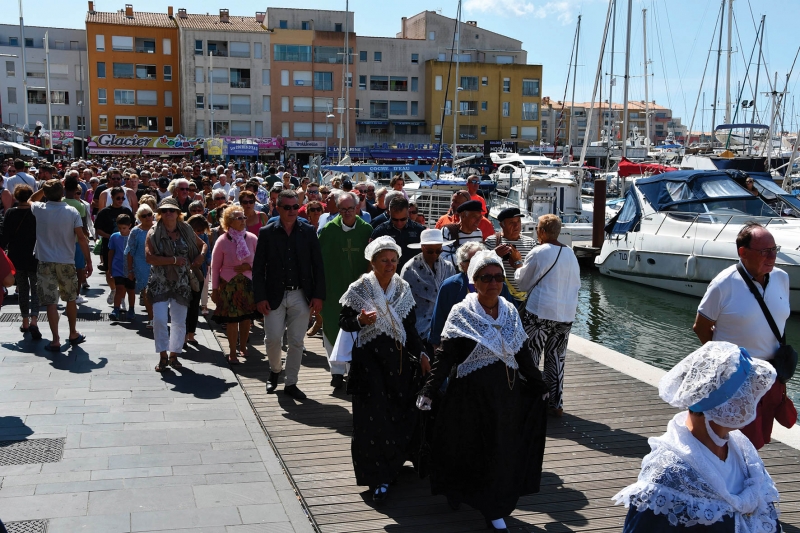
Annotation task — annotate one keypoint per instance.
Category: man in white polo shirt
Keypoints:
(730, 312)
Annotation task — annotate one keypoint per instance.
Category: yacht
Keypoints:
(677, 231)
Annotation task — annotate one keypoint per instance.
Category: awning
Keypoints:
(23, 150)
(373, 122)
(102, 150)
(409, 122)
(5, 149)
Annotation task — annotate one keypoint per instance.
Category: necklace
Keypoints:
(489, 310)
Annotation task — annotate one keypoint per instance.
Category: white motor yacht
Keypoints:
(677, 231)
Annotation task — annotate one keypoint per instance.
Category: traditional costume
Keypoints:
(682, 483)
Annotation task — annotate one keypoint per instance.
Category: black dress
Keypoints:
(385, 415)
(489, 434)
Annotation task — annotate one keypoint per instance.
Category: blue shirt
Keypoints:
(118, 243)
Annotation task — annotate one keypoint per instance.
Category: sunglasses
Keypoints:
(146, 215)
(168, 212)
(370, 190)
(404, 219)
(313, 191)
(247, 202)
(293, 207)
(314, 210)
(473, 181)
(412, 212)
(488, 278)
(119, 198)
(183, 188)
(240, 218)
(435, 251)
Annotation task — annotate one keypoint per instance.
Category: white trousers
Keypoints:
(204, 289)
(292, 316)
(169, 338)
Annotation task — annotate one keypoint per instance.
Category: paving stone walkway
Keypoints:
(182, 451)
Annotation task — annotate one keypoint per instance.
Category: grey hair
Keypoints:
(72, 174)
(381, 191)
(346, 194)
(143, 210)
(197, 203)
(391, 195)
(468, 249)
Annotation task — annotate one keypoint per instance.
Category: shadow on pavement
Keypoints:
(187, 381)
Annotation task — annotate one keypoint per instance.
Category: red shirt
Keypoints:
(6, 268)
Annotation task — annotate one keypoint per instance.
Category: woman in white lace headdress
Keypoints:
(489, 432)
(379, 308)
(704, 474)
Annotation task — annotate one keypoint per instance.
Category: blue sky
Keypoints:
(679, 36)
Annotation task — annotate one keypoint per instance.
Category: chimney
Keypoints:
(129, 10)
(403, 27)
(261, 16)
(91, 7)
(182, 13)
(472, 23)
(169, 11)
(223, 15)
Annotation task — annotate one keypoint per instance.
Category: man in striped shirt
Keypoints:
(465, 230)
(512, 247)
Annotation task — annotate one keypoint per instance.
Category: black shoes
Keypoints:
(272, 382)
(380, 493)
(489, 525)
(294, 392)
(337, 381)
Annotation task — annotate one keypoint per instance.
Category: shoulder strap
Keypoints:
(771, 321)
(546, 273)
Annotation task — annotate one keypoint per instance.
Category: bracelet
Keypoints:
(174, 260)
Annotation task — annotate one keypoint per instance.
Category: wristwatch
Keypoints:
(517, 263)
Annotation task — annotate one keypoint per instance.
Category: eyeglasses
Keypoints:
(434, 251)
(314, 209)
(488, 278)
(119, 198)
(247, 202)
(168, 212)
(473, 182)
(371, 189)
(749, 181)
(146, 215)
(313, 191)
(347, 209)
(240, 218)
(766, 252)
(404, 219)
(412, 213)
(293, 207)
(183, 188)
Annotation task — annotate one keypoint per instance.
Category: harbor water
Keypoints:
(648, 324)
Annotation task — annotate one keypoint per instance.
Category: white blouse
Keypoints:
(556, 297)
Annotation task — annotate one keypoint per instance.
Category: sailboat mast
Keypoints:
(728, 75)
(574, 75)
(716, 78)
(347, 82)
(646, 97)
(612, 81)
(458, 81)
(627, 82)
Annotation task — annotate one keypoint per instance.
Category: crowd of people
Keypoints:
(437, 333)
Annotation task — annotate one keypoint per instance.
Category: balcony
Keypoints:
(379, 114)
(240, 109)
(243, 84)
(222, 107)
(145, 45)
(240, 78)
(218, 48)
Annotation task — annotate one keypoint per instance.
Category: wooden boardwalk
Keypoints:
(591, 453)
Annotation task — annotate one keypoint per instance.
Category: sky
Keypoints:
(679, 37)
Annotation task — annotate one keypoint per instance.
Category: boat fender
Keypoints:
(631, 258)
(691, 266)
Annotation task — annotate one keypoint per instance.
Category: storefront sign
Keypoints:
(57, 135)
(214, 146)
(242, 149)
(111, 140)
(314, 145)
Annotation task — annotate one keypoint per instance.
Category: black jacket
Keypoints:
(268, 267)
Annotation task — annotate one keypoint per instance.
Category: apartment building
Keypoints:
(133, 72)
(68, 83)
(307, 55)
(235, 95)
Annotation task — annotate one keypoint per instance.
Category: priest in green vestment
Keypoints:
(342, 240)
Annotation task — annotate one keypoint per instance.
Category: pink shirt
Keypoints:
(224, 260)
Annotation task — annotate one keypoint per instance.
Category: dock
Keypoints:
(592, 452)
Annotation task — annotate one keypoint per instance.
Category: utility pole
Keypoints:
(211, 88)
(627, 82)
(24, 68)
(47, 89)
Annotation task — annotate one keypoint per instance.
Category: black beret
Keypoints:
(472, 205)
(511, 212)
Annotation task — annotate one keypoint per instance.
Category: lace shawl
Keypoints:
(678, 481)
(392, 306)
(424, 281)
(497, 340)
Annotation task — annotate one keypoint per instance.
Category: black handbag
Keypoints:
(785, 358)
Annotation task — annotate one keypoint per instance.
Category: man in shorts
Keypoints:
(57, 227)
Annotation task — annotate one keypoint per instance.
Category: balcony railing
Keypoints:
(243, 84)
(240, 109)
(219, 106)
(219, 53)
(379, 114)
(145, 50)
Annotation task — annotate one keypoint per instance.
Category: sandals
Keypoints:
(52, 348)
(35, 333)
(24, 329)
(174, 363)
(80, 339)
(233, 360)
(162, 365)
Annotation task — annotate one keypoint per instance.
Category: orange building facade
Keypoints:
(134, 74)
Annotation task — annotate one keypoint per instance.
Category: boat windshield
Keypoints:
(774, 196)
(728, 206)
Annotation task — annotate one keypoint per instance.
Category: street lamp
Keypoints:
(329, 115)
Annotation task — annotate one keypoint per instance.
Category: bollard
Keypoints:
(599, 215)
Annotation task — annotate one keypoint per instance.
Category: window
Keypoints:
(37, 96)
(469, 83)
(167, 72)
(305, 25)
(358, 107)
(506, 85)
(467, 107)
(102, 122)
(219, 75)
(530, 87)
(448, 107)
(79, 97)
(240, 104)
(414, 109)
(362, 56)
(506, 109)
(398, 108)
(484, 106)
(265, 104)
(147, 97)
(34, 70)
(122, 70)
(331, 54)
(147, 123)
(285, 78)
(239, 49)
(530, 133)
(60, 72)
(484, 81)
(100, 43)
(219, 101)
(12, 95)
(11, 69)
(284, 129)
(530, 111)
(167, 98)
(483, 130)
(59, 97)
(121, 43)
(13, 41)
(198, 47)
(28, 42)
(337, 27)
(60, 122)
(323, 129)
(101, 69)
(222, 128)
(302, 104)
(378, 109)
(167, 123)
(414, 84)
(290, 52)
(303, 129)
(124, 97)
(199, 101)
(348, 81)
(504, 60)
(146, 46)
(323, 81)
(199, 74)
(259, 128)
(81, 123)
(265, 77)
(398, 83)
(125, 123)
(415, 59)
(513, 132)
(166, 45)
(283, 24)
(284, 104)
(145, 72)
(468, 132)
(379, 83)
(102, 97)
(437, 84)
(257, 50)
(362, 82)
(302, 78)
(432, 36)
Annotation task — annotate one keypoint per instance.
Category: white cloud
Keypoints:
(562, 10)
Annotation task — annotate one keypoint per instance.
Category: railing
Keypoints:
(146, 77)
(218, 53)
(234, 53)
(534, 116)
(240, 109)
(219, 106)
(244, 84)
(143, 50)
(379, 114)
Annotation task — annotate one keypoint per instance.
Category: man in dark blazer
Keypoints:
(288, 284)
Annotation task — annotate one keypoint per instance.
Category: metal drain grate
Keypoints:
(82, 317)
(27, 526)
(23, 452)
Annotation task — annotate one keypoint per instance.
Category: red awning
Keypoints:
(629, 168)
